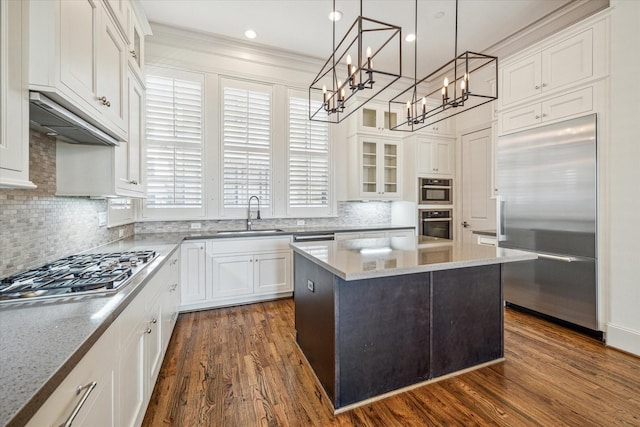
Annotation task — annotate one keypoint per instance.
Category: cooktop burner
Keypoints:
(75, 274)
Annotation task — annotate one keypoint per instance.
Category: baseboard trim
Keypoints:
(623, 339)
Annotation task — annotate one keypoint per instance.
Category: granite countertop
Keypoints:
(300, 230)
(368, 258)
(41, 341)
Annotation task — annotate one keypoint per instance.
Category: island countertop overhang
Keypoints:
(358, 259)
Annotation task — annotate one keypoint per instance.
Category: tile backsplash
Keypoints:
(349, 214)
(37, 227)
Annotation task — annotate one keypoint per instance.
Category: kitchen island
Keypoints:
(375, 317)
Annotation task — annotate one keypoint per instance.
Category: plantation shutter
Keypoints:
(174, 175)
(308, 157)
(246, 157)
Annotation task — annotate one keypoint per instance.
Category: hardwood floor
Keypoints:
(240, 366)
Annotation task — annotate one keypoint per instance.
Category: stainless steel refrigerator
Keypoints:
(547, 204)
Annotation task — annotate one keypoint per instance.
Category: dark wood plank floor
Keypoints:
(240, 366)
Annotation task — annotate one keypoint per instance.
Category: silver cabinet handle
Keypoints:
(104, 101)
(133, 53)
(147, 331)
(537, 87)
(87, 391)
(537, 117)
(544, 85)
(134, 182)
(154, 320)
(557, 258)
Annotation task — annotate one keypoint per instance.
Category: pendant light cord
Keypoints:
(415, 53)
(455, 54)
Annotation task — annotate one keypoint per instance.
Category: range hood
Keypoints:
(51, 118)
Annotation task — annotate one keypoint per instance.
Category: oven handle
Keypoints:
(436, 187)
(435, 219)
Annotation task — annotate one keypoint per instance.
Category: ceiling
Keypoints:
(302, 26)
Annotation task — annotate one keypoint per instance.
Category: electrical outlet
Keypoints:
(300, 222)
(120, 233)
(311, 286)
(196, 226)
(102, 219)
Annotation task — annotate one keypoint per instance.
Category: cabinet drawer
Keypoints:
(578, 102)
(97, 411)
(520, 118)
(246, 245)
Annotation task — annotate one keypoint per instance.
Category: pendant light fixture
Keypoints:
(349, 79)
(446, 92)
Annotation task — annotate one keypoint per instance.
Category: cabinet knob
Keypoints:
(154, 321)
(147, 331)
(544, 85)
(133, 182)
(537, 117)
(544, 115)
(537, 87)
(104, 101)
(133, 53)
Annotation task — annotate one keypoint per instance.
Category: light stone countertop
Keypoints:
(368, 258)
(41, 341)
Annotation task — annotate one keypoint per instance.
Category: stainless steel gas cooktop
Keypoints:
(75, 275)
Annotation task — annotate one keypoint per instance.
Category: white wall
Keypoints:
(623, 179)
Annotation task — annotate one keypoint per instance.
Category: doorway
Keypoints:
(478, 208)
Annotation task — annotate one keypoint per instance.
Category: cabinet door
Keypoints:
(79, 23)
(153, 346)
(128, 154)
(111, 73)
(389, 182)
(232, 275)
(571, 104)
(521, 80)
(568, 61)
(131, 380)
(520, 118)
(377, 118)
(443, 156)
(14, 114)
(170, 300)
(424, 158)
(273, 273)
(192, 272)
(369, 179)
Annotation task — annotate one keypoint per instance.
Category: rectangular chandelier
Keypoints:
(367, 60)
(458, 86)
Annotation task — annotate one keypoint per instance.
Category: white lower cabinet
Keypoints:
(93, 379)
(124, 362)
(235, 271)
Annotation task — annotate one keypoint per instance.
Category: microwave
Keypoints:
(435, 191)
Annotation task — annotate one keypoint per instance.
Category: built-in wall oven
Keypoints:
(436, 223)
(435, 191)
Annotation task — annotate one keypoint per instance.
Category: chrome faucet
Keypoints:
(249, 212)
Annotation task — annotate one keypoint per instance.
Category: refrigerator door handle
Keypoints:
(500, 234)
(558, 258)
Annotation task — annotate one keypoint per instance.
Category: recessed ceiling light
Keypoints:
(335, 15)
(250, 34)
(438, 15)
(410, 38)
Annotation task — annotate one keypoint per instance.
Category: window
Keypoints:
(246, 144)
(174, 148)
(309, 160)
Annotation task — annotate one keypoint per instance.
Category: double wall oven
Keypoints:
(434, 219)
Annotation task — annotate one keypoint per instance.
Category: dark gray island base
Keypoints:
(371, 331)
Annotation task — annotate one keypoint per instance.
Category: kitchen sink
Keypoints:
(263, 231)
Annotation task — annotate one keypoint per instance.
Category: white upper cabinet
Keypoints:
(434, 157)
(14, 107)
(374, 117)
(377, 174)
(78, 56)
(128, 181)
(567, 62)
